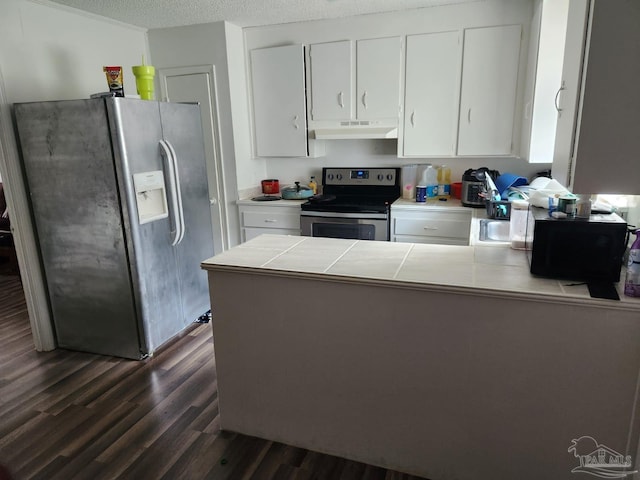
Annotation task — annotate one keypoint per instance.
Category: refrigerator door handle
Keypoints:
(174, 197)
(174, 158)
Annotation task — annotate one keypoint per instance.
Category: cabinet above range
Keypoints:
(355, 85)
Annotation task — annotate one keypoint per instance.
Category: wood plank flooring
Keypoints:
(72, 415)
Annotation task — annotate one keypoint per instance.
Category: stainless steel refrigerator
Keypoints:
(120, 205)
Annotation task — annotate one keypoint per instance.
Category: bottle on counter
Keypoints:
(444, 181)
(632, 279)
(430, 180)
(313, 185)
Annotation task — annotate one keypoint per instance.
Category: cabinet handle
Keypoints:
(340, 101)
(469, 116)
(364, 99)
(413, 118)
(562, 87)
(295, 122)
(268, 220)
(429, 228)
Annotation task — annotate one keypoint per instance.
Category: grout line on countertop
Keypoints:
(283, 252)
(341, 255)
(395, 275)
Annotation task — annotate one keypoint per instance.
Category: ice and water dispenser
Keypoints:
(151, 197)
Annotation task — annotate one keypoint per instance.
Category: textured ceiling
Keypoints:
(172, 13)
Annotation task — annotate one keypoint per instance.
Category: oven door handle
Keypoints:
(372, 216)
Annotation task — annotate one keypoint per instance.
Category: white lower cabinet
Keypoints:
(275, 218)
(423, 225)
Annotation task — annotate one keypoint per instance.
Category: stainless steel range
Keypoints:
(355, 203)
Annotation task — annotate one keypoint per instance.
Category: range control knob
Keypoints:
(389, 177)
(380, 177)
(330, 176)
(339, 176)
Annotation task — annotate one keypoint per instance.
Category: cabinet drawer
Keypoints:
(271, 220)
(432, 224)
(430, 240)
(249, 233)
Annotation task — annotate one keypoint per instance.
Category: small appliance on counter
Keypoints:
(474, 186)
(583, 249)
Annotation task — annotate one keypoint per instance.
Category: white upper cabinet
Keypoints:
(378, 78)
(363, 84)
(544, 108)
(332, 73)
(279, 108)
(488, 92)
(567, 95)
(606, 158)
(432, 85)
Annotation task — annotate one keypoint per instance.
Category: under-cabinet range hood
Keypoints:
(349, 130)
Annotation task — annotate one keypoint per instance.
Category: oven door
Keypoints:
(357, 226)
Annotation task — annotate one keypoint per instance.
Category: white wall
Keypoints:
(384, 152)
(217, 44)
(49, 52)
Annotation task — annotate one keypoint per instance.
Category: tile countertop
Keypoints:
(433, 204)
(270, 203)
(498, 271)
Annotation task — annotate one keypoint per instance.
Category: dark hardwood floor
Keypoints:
(71, 415)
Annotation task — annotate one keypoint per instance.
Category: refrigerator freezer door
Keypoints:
(182, 130)
(68, 163)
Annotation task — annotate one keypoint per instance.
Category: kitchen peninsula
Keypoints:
(443, 361)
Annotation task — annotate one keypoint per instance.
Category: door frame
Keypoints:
(33, 282)
(215, 164)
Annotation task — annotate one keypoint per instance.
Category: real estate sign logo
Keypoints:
(599, 460)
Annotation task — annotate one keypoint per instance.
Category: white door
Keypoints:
(332, 73)
(488, 94)
(378, 78)
(197, 84)
(431, 94)
(279, 109)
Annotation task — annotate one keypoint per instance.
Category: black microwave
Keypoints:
(586, 249)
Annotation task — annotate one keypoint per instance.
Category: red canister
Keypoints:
(270, 186)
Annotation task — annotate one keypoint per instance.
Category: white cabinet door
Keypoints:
(378, 78)
(548, 80)
(568, 96)
(331, 81)
(608, 133)
(488, 94)
(279, 108)
(431, 94)
(440, 225)
(265, 217)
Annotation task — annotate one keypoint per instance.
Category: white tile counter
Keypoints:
(489, 269)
